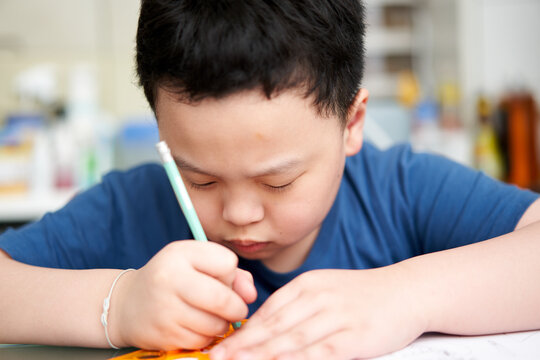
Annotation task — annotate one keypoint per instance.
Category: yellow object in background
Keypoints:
(408, 90)
(15, 163)
(487, 152)
(449, 98)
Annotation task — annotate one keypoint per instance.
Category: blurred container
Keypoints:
(388, 123)
(17, 149)
(487, 152)
(135, 143)
(426, 135)
(519, 115)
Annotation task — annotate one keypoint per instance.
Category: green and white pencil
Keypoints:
(182, 196)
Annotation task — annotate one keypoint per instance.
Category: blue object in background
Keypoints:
(16, 125)
(135, 142)
(426, 111)
(387, 123)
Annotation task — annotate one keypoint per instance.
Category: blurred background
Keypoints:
(456, 77)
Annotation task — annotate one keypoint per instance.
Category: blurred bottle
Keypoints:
(42, 169)
(408, 90)
(487, 152)
(426, 135)
(449, 98)
(521, 116)
(91, 130)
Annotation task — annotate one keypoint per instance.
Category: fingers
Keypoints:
(283, 329)
(335, 346)
(177, 337)
(210, 258)
(278, 300)
(200, 321)
(243, 285)
(221, 264)
(300, 336)
(194, 290)
(208, 294)
(279, 323)
(305, 341)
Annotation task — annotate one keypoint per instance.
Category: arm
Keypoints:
(183, 297)
(38, 305)
(487, 287)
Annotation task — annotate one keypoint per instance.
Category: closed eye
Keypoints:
(279, 187)
(201, 186)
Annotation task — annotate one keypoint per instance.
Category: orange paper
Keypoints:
(201, 354)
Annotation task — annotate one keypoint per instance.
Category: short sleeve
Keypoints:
(453, 205)
(119, 223)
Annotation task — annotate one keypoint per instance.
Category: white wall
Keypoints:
(511, 37)
(499, 47)
(66, 33)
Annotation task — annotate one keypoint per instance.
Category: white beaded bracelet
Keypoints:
(106, 305)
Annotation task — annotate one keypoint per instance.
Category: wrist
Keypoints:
(413, 293)
(111, 317)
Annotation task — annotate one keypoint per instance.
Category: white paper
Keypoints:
(521, 345)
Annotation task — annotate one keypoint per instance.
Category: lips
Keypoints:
(248, 246)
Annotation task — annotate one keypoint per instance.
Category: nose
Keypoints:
(241, 208)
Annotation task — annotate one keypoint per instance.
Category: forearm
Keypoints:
(52, 306)
(488, 287)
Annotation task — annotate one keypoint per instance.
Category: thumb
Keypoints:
(244, 286)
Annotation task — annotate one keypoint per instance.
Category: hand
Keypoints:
(182, 298)
(330, 314)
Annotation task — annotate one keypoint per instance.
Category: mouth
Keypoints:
(248, 246)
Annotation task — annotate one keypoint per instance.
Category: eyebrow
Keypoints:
(273, 169)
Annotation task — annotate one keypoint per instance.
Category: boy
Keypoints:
(354, 252)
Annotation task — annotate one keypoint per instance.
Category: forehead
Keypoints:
(248, 109)
(293, 98)
(244, 128)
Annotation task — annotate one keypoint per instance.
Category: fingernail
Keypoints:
(217, 353)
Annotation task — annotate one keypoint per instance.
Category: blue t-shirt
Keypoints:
(391, 205)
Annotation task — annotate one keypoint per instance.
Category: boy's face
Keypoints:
(262, 174)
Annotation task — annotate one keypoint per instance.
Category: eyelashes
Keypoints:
(279, 188)
(201, 186)
(273, 188)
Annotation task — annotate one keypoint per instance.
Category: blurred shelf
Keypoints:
(391, 2)
(382, 85)
(395, 43)
(380, 41)
(29, 207)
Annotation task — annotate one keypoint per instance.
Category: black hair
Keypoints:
(214, 48)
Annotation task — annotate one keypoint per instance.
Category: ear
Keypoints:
(353, 134)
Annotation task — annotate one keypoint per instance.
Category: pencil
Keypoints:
(180, 191)
(183, 197)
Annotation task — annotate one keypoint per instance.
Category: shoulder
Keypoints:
(380, 166)
(395, 157)
(402, 164)
(125, 191)
(145, 174)
(416, 179)
(376, 159)
(147, 178)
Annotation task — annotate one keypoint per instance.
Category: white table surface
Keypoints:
(520, 345)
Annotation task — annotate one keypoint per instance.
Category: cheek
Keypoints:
(300, 215)
(207, 205)
(297, 221)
